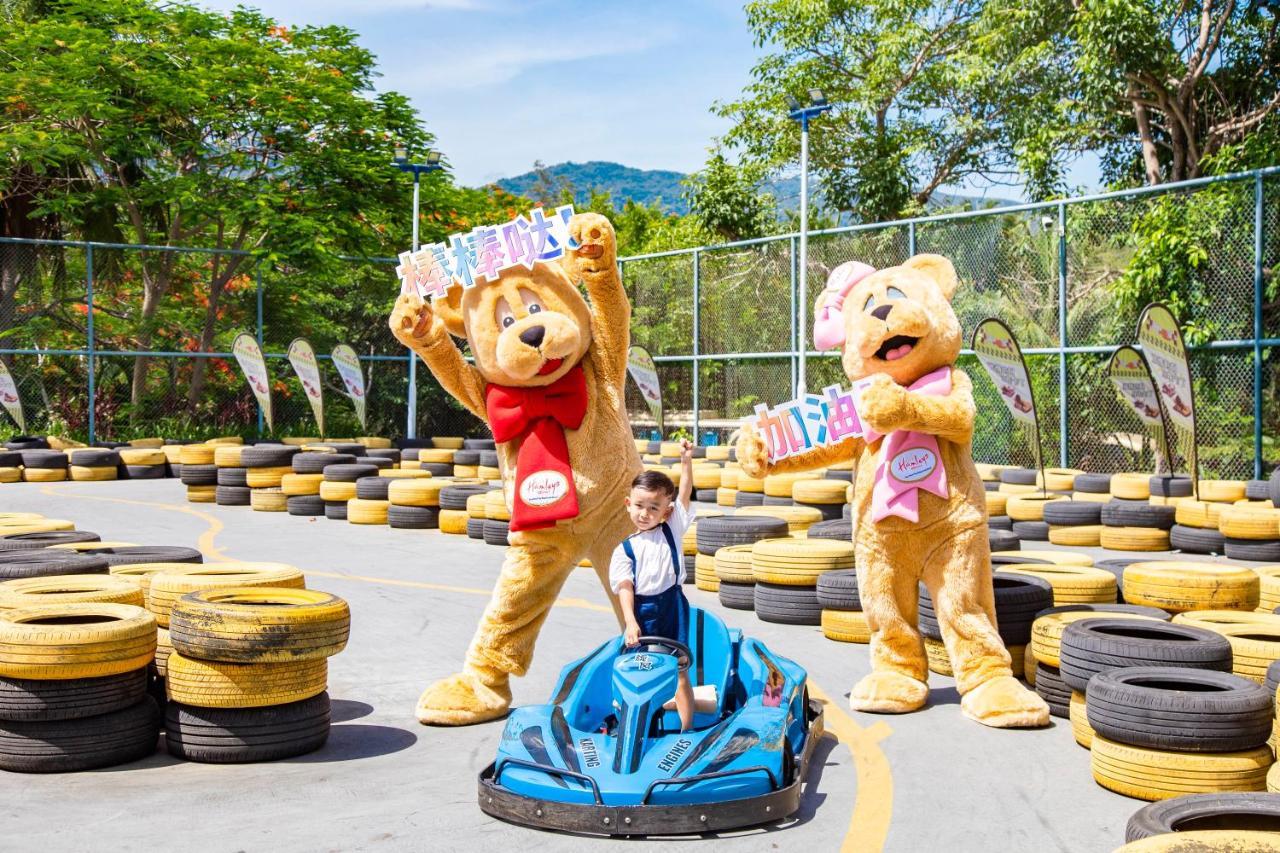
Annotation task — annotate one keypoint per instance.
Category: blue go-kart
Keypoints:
(605, 757)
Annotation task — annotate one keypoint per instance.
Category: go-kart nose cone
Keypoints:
(640, 674)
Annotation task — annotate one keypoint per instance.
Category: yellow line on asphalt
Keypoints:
(205, 544)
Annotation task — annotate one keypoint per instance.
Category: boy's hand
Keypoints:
(631, 636)
(686, 451)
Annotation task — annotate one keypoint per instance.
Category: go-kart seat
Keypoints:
(712, 661)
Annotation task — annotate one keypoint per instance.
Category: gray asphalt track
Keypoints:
(921, 782)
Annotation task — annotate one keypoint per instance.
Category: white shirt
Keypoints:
(654, 571)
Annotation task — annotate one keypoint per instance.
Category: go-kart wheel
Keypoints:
(677, 649)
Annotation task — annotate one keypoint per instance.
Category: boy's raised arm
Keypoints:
(686, 472)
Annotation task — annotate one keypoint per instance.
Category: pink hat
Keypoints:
(828, 324)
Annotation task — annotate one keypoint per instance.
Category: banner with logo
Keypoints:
(810, 420)
(348, 364)
(303, 358)
(645, 372)
(1160, 335)
(9, 396)
(1132, 379)
(249, 356)
(998, 351)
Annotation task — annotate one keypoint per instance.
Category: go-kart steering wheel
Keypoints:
(675, 648)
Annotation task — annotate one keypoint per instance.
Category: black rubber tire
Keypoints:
(775, 500)
(52, 459)
(344, 473)
(231, 495)
(1267, 551)
(829, 511)
(335, 510)
(845, 474)
(94, 458)
(669, 460)
(1103, 609)
(1018, 476)
(1003, 540)
(742, 499)
(738, 596)
(232, 476)
(436, 469)
(149, 554)
(690, 568)
(44, 563)
(706, 496)
(475, 528)
(846, 511)
(1196, 540)
(1116, 514)
(306, 505)
(1272, 680)
(141, 472)
(243, 735)
(35, 541)
(199, 475)
(1019, 599)
(1205, 811)
(372, 488)
(478, 443)
(455, 497)
(466, 457)
(1031, 531)
(10, 459)
(61, 746)
(28, 699)
(1092, 484)
(413, 517)
(840, 529)
(392, 453)
(489, 458)
(1072, 513)
(1163, 486)
(787, 605)
(1189, 710)
(495, 532)
(174, 469)
(838, 590)
(1091, 646)
(347, 448)
(315, 463)
(1051, 688)
(1000, 522)
(110, 445)
(715, 532)
(1257, 490)
(991, 485)
(1273, 486)
(997, 561)
(27, 442)
(653, 447)
(268, 456)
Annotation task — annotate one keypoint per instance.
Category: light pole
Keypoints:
(817, 106)
(401, 162)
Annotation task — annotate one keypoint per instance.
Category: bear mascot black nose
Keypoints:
(879, 312)
(533, 335)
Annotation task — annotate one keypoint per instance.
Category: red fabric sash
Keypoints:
(537, 417)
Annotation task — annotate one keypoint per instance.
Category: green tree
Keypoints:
(727, 200)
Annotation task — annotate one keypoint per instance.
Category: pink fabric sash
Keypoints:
(909, 461)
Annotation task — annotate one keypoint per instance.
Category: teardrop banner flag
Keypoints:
(303, 358)
(249, 356)
(9, 396)
(645, 372)
(1132, 379)
(1160, 335)
(348, 364)
(998, 350)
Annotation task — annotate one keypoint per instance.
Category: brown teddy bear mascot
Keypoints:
(548, 378)
(918, 501)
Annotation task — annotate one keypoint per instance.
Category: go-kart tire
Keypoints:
(1031, 531)
(495, 532)
(88, 457)
(436, 469)
(716, 532)
(268, 456)
(737, 596)
(140, 472)
(263, 624)
(28, 699)
(335, 510)
(231, 477)
(1072, 513)
(777, 500)
(1094, 484)
(1000, 522)
(27, 442)
(199, 475)
(44, 562)
(840, 529)
(1153, 774)
(742, 499)
(216, 684)
(86, 743)
(306, 505)
(344, 448)
(413, 517)
(488, 458)
(52, 459)
(315, 463)
(348, 473)
(71, 589)
(1197, 540)
(64, 641)
(123, 554)
(36, 541)
(1000, 540)
(1093, 646)
(478, 444)
(787, 605)
(1124, 514)
(231, 495)
(1018, 476)
(244, 735)
(1267, 551)
(829, 511)
(838, 590)
(372, 488)
(392, 453)
(466, 457)
(1257, 490)
(1190, 710)
(706, 496)
(1051, 688)
(1169, 487)
(1226, 810)
(845, 626)
(455, 497)
(475, 528)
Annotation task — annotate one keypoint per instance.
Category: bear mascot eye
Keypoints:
(507, 321)
(871, 303)
(535, 308)
(894, 293)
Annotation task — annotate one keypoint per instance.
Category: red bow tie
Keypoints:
(512, 409)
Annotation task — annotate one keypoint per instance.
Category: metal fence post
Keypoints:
(911, 239)
(1063, 430)
(1257, 324)
(697, 343)
(258, 278)
(795, 366)
(89, 346)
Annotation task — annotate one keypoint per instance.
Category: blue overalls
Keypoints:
(665, 614)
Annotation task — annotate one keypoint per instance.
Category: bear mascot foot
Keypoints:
(888, 693)
(1004, 703)
(464, 699)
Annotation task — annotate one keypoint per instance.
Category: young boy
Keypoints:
(646, 570)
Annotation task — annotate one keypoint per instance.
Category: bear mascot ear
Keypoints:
(939, 269)
(449, 309)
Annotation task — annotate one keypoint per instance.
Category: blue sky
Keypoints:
(504, 83)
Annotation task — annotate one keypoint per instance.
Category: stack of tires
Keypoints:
(265, 467)
(43, 466)
(91, 464)
(10, 466)
(1250, 532)
(453, 499)
(1135, 525)
(779, 488)
(142, 463)
(1017, 481)
(798, 518)
(735, 581)
(371, 504)
(249, 670)
(488, 469)
(466, 463)
(73, 686)
(1197, 528)
(842, 617)
(1027, 514)
(199, 474)
(706, 480)
(999, 524)
(475, 516)
(750, 491)
(827, 496)
(172, 459)
(689, 544)
(301, 486)
(497, 519)
(717, 532)
(727, 494)
(786, 573)
(339, 486)
(1091, 488)
(438, 461)
(231, 490)
(1074, 522)
(1018, 600)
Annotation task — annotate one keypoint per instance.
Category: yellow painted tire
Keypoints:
(214, 684)
(1134, 539)
(1046, 631)
(228, 455)
(1192, 513)
(489, 473)
(141, 456)
(165, 588)
(1221, 491)
(446, 442)
(495, 506)
(417, 491)
(164, 648)
(1071, 584)
(781, 485)
(196, 454)
(1057, 558)
(1058, 479)
(1079, 722)
(706, 476)
(7, 518)
(202, 494)
(1217, 620)
(454, 521)
(733, 564)
(718, 452)
(846, 626)
(1080, 535)
(729, 478)
(436, 456)
(704, 573)
(475, 506)
(268, 500)
(259, 624)
(82, 547)
(1206, 841)
(936, 654)
(796, 517)
(1254, 647)
(463, 471)
(1028, 664)
(1029, 507)
(1273, 777)
(10, 474)
(266, 478)
(92, 473)
(1268, 588)
(405, 474)
(44, 475)
(798, 562)
(1177, 586)
(364, 511)
(1018, 489)
(43, 525)
(726, 497)
(1156, 774)
(335, 492)
(299, 440)
(140, 574)
(1091, 497)
(71, 589)
(374, 442)
(997, 503)
(224, 439)
(750, 484)
(64, 641)
(1131, 486)
(1249, 522)
(300, 484)
(145, 444)
(820, 491)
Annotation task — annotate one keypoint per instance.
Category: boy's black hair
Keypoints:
(655, 481)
